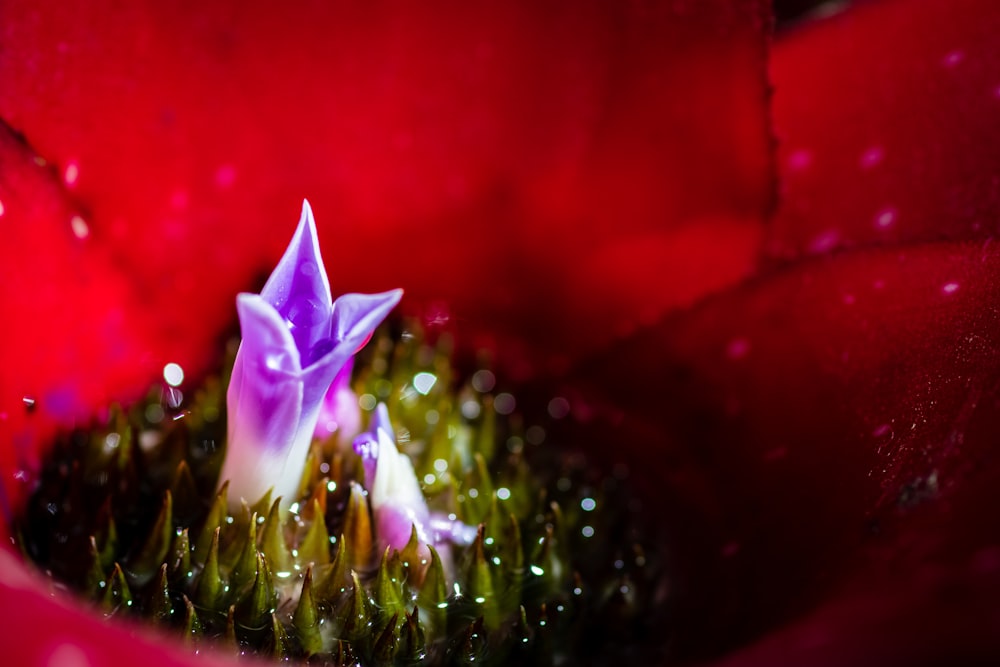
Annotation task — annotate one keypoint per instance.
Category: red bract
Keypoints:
(819, 440)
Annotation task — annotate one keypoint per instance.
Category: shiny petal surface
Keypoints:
(826, 441)
(584, 153)
(885, 116)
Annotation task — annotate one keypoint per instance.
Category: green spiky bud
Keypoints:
(306, 619)
(117, 595)
(315, 546)
(161, 609)
(154, 550)
(215, 520)
(272, 543)
(358, 528)
(257, 605)
(210, 589)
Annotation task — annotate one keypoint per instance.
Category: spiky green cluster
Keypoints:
(561, 569)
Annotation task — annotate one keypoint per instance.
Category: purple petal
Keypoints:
(295, 342)
(300, 290)
(355, 316)
(264, 404)
(339, 413)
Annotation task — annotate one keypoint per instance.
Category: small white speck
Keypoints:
(885, 218)
(950, 288)
(71, 174)
(80, 228)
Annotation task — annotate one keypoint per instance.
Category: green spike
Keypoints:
(229, 638)
(192, 625)
(272, 543)
(511, 566)
(481, 583)
(94, 579)
(385, 644)
(233, 537)
(486, 442)
(473, 646)
(389, 586)
(210, 589)
(334, 583)
(433, 595)
(154, 550)
(245, 569)
(216, 519)
(411, 560)
(356, 616)
(160, 608)
(316, 504)
(106, 535)
(306, 619)
(315, 546)
(282, 645)
(358, 529)
(475, 509)
(179, 557)
(117, 596)
(262, 506)
(412, 645)
(259, 603)
(343, 654)
(545, 565)
(310, 473)
(187, 500)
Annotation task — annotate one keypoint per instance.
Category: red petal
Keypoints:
(507, 158)
(886, 121)
(826, 437)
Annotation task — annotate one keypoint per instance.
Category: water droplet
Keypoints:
(588, 531)
(588, 504)
(483, 381)
(471, 409)
(173, 374)
(504, 404)
(558, 407)
(503, 493)
(423, 382)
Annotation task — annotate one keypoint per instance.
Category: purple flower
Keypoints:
(340, 414)
(295, 341)
(396, 499)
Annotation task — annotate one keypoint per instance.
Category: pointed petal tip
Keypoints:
(307, 217)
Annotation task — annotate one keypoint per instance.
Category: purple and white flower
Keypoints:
(295, 341)
(397, 502)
